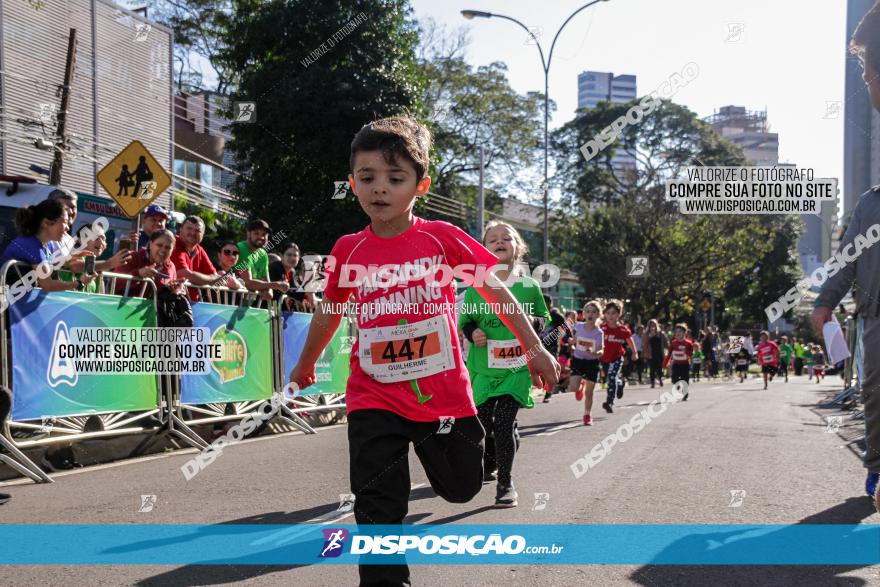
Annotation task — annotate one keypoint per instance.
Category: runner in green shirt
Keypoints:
(786, 351)
(496, 361)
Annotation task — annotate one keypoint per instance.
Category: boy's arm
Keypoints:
(325, 322)
(544, 369)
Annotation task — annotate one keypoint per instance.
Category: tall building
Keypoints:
(748, 129)
(815, 245)
(121, 90)
(861, 124)
(601, 86)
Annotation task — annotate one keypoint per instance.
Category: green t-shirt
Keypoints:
(257, 262)
(800, 350)
(67, 275)
(698, 355)
(785, 352)
(475, 309)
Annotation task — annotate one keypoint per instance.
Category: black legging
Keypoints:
(498, 414)
(656, 369)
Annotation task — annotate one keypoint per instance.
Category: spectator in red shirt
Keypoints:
(681, 349)
(190, 258)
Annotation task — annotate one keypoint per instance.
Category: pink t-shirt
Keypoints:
(426, 244)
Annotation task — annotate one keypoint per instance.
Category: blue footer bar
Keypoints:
(615, 544)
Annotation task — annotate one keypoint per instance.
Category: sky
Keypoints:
(788, 57)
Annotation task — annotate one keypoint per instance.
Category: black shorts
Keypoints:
(681, 372)
(742, 367)
(586, 368)
(768, 369)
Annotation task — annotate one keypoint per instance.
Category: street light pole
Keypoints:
(545, 64)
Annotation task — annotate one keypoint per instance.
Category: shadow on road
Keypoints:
(852, 511)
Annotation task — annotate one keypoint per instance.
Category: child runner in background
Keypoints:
(808, 358)
(552, 331)
(681, 349)
(786, 352)
(408, 384)
(497, 361)
(742, 364)
(768, 356)
(586, 353)
(697, 361)
(615, 336)
(817, 362)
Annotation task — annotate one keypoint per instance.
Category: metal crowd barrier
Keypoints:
(171, 418)
(188, 415)
(18, 435)
(309, 404)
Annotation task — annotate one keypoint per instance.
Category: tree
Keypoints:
(199, 27)
(316, 78)
(609, 215)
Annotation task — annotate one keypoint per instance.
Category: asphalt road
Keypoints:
(680, 469)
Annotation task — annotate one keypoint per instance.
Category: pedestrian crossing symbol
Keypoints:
(134, 178)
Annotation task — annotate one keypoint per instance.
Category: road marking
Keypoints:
(555, 429)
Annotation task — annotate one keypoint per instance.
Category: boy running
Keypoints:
(681, 349)
(742, 364)
(586, 352)
(697, 362)
(408, 383)
(768, 356)
(615, 336)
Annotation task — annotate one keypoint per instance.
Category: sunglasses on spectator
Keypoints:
(230, 252)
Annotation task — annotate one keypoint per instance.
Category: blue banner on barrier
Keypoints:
(47, 382)
(245, 373)
(265, 544)
(332, 369)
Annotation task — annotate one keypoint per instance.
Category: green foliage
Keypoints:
(307, 113)
(607, 216)
(219, 227)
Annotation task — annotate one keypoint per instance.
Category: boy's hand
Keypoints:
(302, 375)
(479, 337)
(544, 370)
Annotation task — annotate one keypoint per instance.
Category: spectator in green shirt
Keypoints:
(254, 261)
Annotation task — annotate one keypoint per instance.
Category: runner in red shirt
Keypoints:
(408, 383)
(768, 356)
(681, 349)
(615, 336)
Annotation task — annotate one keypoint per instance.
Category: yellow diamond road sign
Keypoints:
(134, 178)
(705, 305)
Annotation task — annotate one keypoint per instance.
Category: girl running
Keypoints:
(497, 360)
(697, 362)
(786, 352)
(615, 337)
(768, 356)
(681, 349)
(586, 352)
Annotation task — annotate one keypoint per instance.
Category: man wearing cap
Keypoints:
(254, 261)
(190, 258)
(155, 218)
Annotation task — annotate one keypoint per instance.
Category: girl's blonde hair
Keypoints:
(522, 249)
(595, 304)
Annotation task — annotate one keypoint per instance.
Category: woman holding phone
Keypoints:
(154, 262)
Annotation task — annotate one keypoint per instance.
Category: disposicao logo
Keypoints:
(334, 540)
(60, 370)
